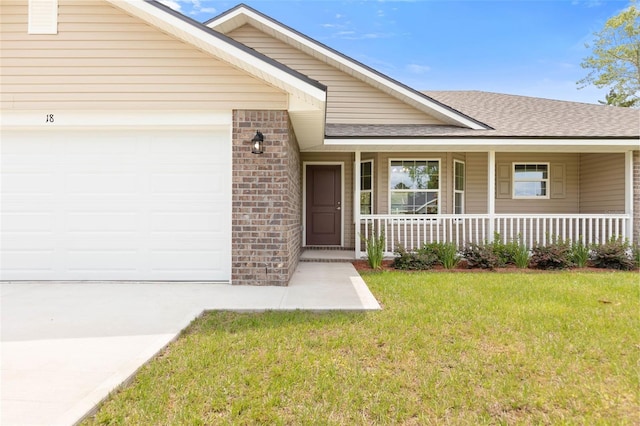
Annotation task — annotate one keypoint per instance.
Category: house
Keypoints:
(128, 131)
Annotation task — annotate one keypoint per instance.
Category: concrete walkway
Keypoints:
(65, 346)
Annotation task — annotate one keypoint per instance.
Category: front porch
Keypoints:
(413, 231)
(415, 198)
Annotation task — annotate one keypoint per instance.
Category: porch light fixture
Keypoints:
(257, 143)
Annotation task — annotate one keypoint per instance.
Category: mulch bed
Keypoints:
(363, 265)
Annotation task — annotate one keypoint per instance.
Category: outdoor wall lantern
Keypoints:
(257, 143)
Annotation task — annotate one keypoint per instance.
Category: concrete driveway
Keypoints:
(65, 346)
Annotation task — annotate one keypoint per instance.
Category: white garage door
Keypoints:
(116, 205)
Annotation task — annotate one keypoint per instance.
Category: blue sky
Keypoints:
(531, 48)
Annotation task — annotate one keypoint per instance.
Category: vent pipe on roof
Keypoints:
(43, 17)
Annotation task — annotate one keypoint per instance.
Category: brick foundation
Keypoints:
(266, 233)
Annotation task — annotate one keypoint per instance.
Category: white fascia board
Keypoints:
(367, 74)
(478, 145)
(225, 51)
(625, 143)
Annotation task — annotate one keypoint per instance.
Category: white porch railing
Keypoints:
(413, 231)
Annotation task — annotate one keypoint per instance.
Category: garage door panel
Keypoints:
(28, 182)
(27, 222)
(103, 183)
(189, 260)
(23, 260)
(116, 205)
(103, 222)
(95, 260)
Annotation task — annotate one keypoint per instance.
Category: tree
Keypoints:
(620, 100)
(615, 59)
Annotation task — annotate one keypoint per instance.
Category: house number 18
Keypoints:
(49, 118)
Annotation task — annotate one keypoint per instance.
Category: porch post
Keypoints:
(628, 193)
(356, 203)
(491, 194)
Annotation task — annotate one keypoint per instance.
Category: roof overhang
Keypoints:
(584, 145)
(242, 14)
(307, 97)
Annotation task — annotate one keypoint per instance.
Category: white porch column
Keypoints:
(356, 203)
(628, 193)
(491, 193)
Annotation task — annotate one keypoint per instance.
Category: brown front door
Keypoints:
(324, 205)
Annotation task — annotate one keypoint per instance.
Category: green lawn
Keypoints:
(447, 348)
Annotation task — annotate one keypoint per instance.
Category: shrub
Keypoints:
(375, 250)
(579, 254)
(504, 251)
(635, 253)
(413, 261)
(521, 255)
(555, 255)
(614, 254)
(446, 253)
(481, 256)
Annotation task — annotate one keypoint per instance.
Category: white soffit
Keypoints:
(243, 15)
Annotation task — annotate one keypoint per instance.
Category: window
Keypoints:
(530, 180)
(414, 186)
(458, 186)
(366, 187)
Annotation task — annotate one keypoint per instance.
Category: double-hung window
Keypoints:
(414, 186)
(366, 187)
(531, 180)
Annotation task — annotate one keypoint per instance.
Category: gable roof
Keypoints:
(307, 97)
(512, 116)
(243, 14)
(523, 116)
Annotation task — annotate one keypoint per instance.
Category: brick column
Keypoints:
(266, 207)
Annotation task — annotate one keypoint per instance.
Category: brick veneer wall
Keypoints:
(636, 197)
(266, 206)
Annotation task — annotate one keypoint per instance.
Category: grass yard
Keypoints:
(447, 348)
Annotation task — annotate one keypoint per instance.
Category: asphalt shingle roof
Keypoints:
(512, 116)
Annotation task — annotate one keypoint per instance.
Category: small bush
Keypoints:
(413, 261)
(504, 251)
(579, 254)
(635, 253)
(481, 256)
(521, 255)
(375, 250)
(446, 253)
(614, 254)
(555, 255)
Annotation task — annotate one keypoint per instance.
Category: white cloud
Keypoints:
(418, 69)
(172, 4)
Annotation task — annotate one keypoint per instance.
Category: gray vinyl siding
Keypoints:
(104, 59)
(477, 183)
(602, 183)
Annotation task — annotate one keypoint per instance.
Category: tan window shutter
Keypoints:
(503, 180)
(558, 181)
(43, 17)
